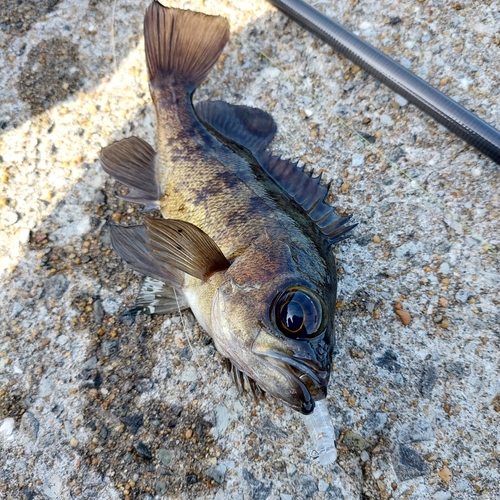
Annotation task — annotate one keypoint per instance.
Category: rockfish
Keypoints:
(245, 239)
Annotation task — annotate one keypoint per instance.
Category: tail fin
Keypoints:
(181, 44)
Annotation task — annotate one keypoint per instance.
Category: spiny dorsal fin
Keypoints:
(186, 247)
(307, 192)
(249, 127)
(131, 244)
(182, 45)
(131, 161)
(155, 298)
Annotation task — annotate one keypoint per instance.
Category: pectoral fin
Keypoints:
(131, 244)
(185, 247)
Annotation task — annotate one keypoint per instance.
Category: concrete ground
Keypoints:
(94, 408)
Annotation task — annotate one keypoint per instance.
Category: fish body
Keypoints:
(245, 236)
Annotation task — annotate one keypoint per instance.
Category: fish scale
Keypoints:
(200, 179)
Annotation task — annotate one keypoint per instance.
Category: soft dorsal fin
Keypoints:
(249, 127)
(131, 244)
(131, 161)
(184, 246)
(307, 192)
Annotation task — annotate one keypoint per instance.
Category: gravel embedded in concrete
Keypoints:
(94, 407)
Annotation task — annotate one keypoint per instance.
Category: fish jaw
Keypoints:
(300, 364)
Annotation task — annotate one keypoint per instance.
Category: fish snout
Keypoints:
(305, 376)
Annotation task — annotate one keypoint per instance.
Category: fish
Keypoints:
(244, 238)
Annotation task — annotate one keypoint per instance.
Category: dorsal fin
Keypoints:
(307, 192)
(254, 129)
(249, 127)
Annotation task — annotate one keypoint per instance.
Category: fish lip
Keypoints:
(297, 368)
(305, 367)
(307, 405)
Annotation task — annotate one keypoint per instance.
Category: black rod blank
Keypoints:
(444, 110)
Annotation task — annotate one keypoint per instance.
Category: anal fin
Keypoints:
(132, 162)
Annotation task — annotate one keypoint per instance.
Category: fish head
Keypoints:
(273, 319)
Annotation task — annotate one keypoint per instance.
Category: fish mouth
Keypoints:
(308, 380)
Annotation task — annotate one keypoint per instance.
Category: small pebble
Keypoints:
(8, 217)
(386, 120)
(442, 495)
(438, 318)
(73, 442)
(217, 473)
(444, 268)
(428, 380)
(7, 428)
(24, 236)
(408, 464)
(29, 425)
(166, 457)
(142, 450)
(39, 237)
(354, 441)
(161, 488)
(404, 316)
(445, 475)
(322, 485)
(401, 100)
(191, 478)
(358, 160)
(189, 374)
(443, 302)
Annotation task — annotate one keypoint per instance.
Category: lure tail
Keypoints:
(181, 45)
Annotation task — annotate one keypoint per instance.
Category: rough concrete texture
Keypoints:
(94, 408)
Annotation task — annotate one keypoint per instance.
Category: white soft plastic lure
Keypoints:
(320, 428)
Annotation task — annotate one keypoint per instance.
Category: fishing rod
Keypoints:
(444, 110)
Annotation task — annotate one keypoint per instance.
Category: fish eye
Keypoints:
(298, 313)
